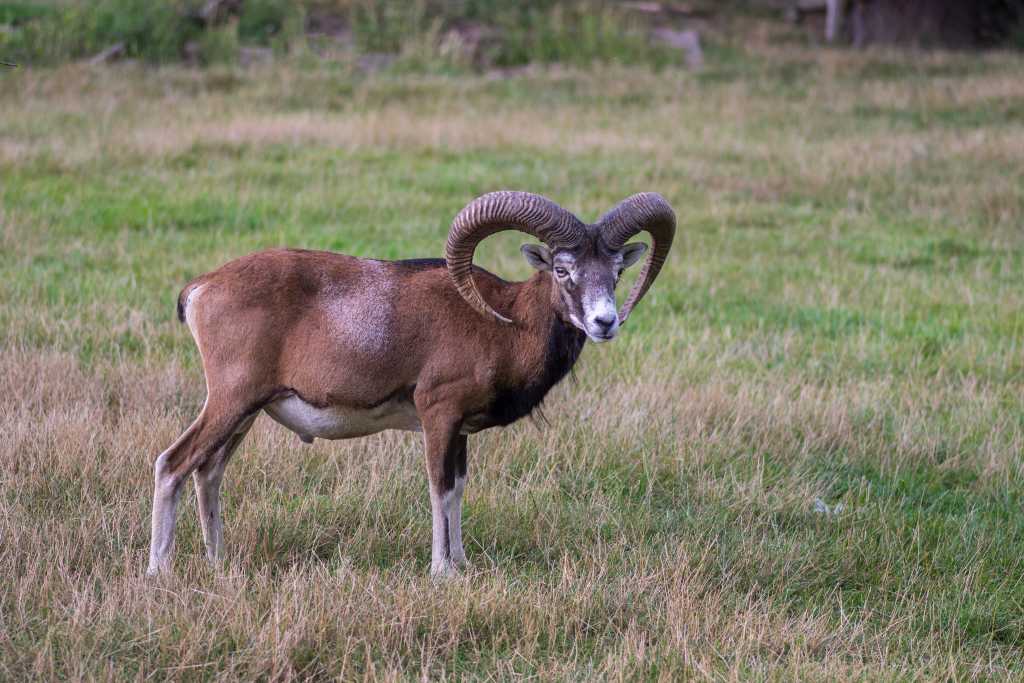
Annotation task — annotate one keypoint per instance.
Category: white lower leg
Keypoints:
(454, 513)
(166, 492)
(440, 558)
(208, 503)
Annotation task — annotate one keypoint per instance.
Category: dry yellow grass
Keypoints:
(77, 448)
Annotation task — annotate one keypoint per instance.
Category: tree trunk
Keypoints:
(925, 23)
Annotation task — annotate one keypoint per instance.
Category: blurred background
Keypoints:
(478, 34)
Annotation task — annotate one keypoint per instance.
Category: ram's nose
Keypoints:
(603, 327)
(605, 323)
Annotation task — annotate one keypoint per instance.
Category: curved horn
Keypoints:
(497, 211)
(647, 211)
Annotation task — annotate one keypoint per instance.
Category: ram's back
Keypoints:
(331, 327)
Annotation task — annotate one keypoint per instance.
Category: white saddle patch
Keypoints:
(340, 422)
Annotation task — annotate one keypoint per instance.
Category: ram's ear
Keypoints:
(537, 255)
(631, 253)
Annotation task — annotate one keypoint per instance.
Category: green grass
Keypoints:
(840, 319)
(423, 35)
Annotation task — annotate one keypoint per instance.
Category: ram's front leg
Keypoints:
(446, 457)
(454, 505)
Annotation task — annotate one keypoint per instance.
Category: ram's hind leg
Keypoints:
(212, 431)
(208, 478)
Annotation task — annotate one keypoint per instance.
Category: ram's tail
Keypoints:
(181, 306)
(183, 298)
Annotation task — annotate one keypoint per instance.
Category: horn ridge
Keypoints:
(497, 211)
(644, 212)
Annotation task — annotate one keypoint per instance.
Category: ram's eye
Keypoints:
(561, 272)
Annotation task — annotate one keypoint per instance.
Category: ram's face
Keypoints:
(585, 279)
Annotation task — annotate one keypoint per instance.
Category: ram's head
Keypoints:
(585, 261)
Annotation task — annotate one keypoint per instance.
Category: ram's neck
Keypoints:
(544, 349)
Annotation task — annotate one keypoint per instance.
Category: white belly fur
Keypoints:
(340, 422)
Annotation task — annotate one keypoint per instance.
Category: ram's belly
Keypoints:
(337, 422)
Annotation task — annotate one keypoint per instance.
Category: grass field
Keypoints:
(841, 319)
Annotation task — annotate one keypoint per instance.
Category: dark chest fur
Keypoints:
(514, 402)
